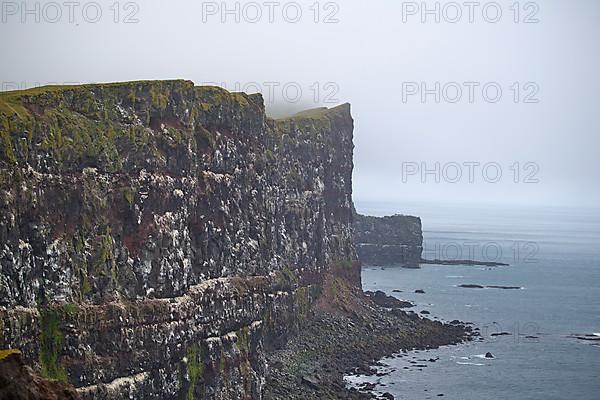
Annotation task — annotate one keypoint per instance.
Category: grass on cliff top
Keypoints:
(218, 95)
(314, 120)
(58, 88)
(15, 102)
(83, 122)
(11, 102)
(318, 113)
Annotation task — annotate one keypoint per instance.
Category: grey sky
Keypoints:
(364, 59)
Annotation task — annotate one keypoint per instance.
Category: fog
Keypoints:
(540, 134)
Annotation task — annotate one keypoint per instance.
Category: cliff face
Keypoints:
(393, 240)
(157, 237)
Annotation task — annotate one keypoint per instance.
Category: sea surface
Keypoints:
(554, 257)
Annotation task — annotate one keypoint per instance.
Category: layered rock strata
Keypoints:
(156, 238)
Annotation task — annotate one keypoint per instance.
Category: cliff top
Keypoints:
(320, 112)
(16, 102)
(61, 128)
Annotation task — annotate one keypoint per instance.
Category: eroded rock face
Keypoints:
(19, 382)
(390, 241)
(156, 237)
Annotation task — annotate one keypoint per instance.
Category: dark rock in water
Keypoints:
(383, 300)
(389, 241)
(421, 291)
(504, 287)
(501, 334)
(464, 262)
(18, 382)
(471, 286)
(440, 394)
(396, 291)
(388, 396)
(489, 355)
(474, 286)
(589, 337)
(425, 312)
(368, 386)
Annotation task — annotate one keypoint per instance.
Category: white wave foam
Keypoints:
(470, 363)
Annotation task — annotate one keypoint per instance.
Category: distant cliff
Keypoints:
(390, 241)
(156, 237)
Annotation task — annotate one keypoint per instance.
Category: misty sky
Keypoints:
(363, 52)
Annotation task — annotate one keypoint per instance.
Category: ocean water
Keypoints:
(554, 257)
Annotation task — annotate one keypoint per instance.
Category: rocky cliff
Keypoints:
(156, 238)
(19, 382)
(392, 240)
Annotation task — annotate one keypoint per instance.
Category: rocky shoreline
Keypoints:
(333, 345)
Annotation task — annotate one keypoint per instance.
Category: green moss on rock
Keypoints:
(105, 261)
(222, 361)
(303, 299)
(129, 196)
(195, 369)
(243, 344)
(50, 341)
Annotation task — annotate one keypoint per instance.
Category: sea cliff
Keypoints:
(157, 237)
(160, 240)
